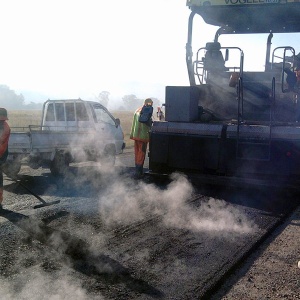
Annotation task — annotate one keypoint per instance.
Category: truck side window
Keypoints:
(50, 112)
(60, 112)
(70, 111)
(81, 112)
(103, 116)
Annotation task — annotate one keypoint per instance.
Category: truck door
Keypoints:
(107, 129)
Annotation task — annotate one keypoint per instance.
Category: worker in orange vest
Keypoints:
(4, 137)
(141, 124)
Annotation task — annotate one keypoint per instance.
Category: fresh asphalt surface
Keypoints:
(111, 237)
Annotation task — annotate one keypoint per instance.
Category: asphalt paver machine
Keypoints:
(231, 121)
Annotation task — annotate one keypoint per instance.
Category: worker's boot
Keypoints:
(141, 172)
(138, 172)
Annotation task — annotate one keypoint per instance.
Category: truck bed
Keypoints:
(36, 138)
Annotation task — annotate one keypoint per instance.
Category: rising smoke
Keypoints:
(40, 285)
(121, 202)
(121, 205)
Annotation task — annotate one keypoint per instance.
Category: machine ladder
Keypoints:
(256, 147)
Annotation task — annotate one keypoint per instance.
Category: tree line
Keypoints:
(12, 101)
(130, 102)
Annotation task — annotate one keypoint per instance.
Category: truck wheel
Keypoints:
(109, 157)
(59, 164)
(11, 168)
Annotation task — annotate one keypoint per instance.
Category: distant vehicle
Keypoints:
(70, 131)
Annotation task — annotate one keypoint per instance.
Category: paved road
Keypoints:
(111, 237)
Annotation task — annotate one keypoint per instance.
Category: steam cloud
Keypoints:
(41, 286)
(123, 201)
(125, 204)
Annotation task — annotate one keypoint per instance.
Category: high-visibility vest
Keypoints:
(139, 131)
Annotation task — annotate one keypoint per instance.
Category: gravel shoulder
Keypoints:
(273, 272)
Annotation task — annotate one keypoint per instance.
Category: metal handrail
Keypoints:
(285, 49)
(198, 64)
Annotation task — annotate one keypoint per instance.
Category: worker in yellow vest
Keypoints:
(141, 124)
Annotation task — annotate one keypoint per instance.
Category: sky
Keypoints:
(78, 48)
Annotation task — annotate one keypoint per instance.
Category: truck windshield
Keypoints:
(103, 116)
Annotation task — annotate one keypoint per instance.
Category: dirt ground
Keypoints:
(273, 272)
(151, 264)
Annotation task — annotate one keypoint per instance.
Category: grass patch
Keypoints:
(24, 118)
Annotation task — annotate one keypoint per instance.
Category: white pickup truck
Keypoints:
(70, 131)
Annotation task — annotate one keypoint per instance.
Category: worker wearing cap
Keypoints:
(140, 135)
(4, 137)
